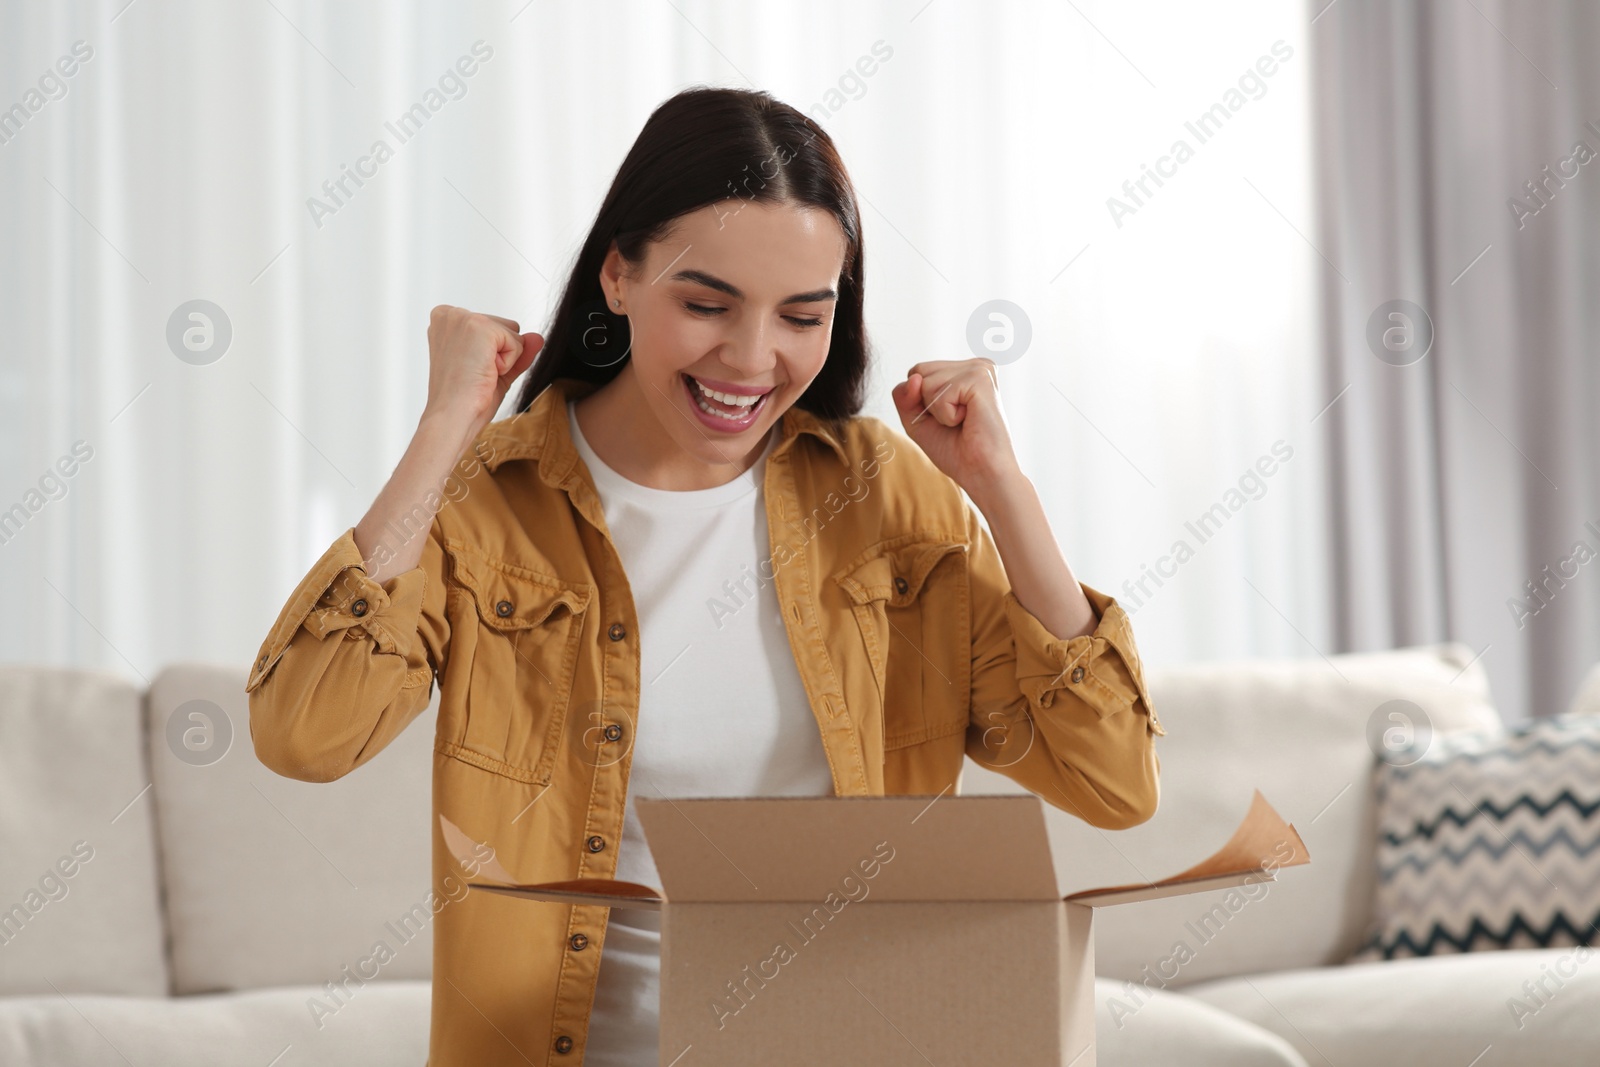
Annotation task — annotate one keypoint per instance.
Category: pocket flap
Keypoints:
(895, 570)
(511, 597)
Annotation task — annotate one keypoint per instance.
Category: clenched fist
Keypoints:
(472, 361)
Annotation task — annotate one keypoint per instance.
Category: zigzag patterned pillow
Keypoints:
(1489, 842)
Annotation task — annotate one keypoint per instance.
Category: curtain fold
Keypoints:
(1464, 481)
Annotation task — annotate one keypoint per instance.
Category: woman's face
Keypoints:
(730, 318)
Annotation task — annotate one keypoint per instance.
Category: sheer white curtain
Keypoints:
(1172, 345)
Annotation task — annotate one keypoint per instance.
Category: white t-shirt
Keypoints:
(722, 711)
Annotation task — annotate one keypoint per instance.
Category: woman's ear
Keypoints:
(611, 278)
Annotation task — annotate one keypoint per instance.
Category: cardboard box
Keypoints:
(882, 930)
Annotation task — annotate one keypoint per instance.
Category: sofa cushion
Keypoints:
(1140, 1027)
(272, 881)
(79, 892)
(1490, 842)
(382, 1024)
(1537, 1008)
(1586, 701)
(1298, 730)
(385, 1023)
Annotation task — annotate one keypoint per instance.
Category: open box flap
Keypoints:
(604, 891)
(895, 848)
(474, 857)
(479, 860)
(1262, 843)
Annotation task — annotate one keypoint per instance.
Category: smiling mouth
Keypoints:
(731, 407)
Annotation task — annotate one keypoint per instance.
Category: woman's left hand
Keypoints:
(951, 409)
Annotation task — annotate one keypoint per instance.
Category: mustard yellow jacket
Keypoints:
(913, 650)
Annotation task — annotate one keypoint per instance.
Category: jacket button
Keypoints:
(359, 608)
(579, 942)
(1077, 674)
(613, 732)
(597, 843)
(563, 1044)
(617, 631)
(504, 609)
(900, 586)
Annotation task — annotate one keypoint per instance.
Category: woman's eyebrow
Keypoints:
(711, 281)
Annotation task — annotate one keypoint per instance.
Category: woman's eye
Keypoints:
(707, 311)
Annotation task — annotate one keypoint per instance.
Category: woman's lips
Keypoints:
(731, 387)
(719, 415)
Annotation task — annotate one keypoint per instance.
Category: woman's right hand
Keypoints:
(472, 361)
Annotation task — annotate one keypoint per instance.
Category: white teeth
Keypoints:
(709, 410)
(726, 398)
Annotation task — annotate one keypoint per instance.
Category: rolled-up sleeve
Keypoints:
(1068, 718)
(348, 664)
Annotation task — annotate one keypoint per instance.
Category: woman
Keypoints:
(686, 566)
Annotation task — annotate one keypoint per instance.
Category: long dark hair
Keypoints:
(702, 146)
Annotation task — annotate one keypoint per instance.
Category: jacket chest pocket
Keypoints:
(521, 666)
(909, 596)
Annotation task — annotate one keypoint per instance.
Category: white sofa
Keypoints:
(1298, 732)
(219, 901)
(220, 897)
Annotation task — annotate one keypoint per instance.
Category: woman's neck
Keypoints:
(622, 428)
